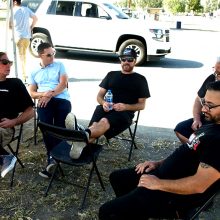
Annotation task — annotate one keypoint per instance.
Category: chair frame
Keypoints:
(17, 137)
(132, 135)
(70, 135)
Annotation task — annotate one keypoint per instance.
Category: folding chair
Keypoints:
(132, 134)
(60, 153)
(17, 137)
(36, 119)
(195, 212)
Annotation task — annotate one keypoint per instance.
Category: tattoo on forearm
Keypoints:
(204, 165)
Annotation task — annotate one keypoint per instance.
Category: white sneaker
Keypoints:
(77, 148)
(70, 121)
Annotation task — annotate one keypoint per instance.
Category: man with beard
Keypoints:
(184, 180)
(130, 91)
(185, 128)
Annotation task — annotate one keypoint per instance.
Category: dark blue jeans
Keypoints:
(54, 113)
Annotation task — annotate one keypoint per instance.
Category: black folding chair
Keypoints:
(60, 153)
(36, 119)
(17, 137)
(132, 133)
(195, 212)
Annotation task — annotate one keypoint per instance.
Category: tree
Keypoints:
(175, 6)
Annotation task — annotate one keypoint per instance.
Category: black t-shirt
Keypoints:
(14, 98)
(126, 88)
(184, 161)
(202, 90)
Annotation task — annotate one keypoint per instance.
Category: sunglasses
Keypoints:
(128, 59)
(5, 62)
(50, 54)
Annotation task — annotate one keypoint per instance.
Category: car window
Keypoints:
(61, 8)
(86, 9)
(33, 4)
(115, 10)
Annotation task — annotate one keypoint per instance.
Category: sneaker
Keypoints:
(51, 164)
(77, 148)
(8, 164)
(45, 174)
(70, 121)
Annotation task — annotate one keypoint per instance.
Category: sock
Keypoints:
(88, 131)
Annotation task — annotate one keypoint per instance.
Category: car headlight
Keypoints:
(157, 34)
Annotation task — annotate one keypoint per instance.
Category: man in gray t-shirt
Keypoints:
(23, 31)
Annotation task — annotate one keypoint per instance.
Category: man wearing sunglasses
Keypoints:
(169, 188)
(16, 108)
(48, 84)
(130, 91)
(185, 128)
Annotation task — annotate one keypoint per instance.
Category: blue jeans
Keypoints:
(54, 113)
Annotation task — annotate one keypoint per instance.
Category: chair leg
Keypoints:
(87, 187)
(51, 180)
(133, 144)
(99, 176)
(18, 160)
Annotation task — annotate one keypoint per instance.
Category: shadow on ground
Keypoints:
(111, 58)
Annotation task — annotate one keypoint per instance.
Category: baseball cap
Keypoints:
(128, 52)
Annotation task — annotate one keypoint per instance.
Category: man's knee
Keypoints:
(105, 123)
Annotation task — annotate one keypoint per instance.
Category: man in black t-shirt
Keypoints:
(16, 108)
(170, 187)
(130, 91)
(185, 128)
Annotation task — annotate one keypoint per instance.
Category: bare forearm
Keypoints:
(184, 186)
(135, 107)
(25, 116)
(100, 99)
(197, 107)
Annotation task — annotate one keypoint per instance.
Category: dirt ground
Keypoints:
(26, 199)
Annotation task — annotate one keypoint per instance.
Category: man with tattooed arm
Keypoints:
(170, 187)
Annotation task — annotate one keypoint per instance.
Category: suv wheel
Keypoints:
(138, 46)
(37, 39)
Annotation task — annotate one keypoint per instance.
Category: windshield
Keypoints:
(115, 10)
(33, 4)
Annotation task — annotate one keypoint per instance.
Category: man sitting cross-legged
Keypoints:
(182, 181)
(130, 91)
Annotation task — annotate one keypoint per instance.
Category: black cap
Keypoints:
(128, 52)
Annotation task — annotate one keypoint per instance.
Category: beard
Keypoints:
(127, 68)
(212, 119)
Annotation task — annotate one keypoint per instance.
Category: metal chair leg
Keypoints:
(51, 180)
(87, 187)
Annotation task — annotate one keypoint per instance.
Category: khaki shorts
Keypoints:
(6, 135)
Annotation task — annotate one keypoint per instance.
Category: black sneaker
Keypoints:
(8, 164)
(45, 174)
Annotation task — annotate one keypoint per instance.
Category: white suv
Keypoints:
(98, 26)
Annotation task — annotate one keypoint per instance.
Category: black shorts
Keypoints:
(185, 127)
(119, 121)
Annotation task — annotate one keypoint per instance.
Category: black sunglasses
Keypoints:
(50, 54)
(5, 62)
(128, 59)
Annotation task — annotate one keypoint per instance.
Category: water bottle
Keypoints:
(109, 99)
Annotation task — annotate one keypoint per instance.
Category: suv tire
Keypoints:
(138, 46)
(37, 39)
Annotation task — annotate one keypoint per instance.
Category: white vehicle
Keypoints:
(97, 26)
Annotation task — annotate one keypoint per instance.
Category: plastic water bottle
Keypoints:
(109, 99)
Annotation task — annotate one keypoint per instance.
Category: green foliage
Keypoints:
(175, 6)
